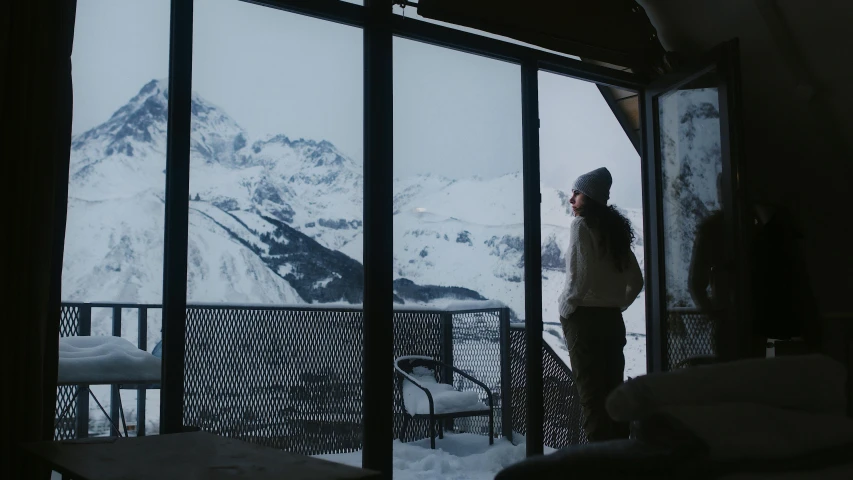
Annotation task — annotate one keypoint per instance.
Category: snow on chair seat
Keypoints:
(105, 360)
(425, 397)
(446, 399)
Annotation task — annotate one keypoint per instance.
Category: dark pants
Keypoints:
(595, 338)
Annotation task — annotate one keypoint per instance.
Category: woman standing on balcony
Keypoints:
(603, 279)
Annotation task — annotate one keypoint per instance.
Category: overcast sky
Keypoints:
(455, 114)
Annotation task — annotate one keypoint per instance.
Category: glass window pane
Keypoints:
(274, 280)
(578, 134)
(458, 239)
(114, 233)
(694, 243)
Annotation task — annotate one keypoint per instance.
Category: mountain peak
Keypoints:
(152, 93)
(139, 127)
(156, 85)
(152, 102)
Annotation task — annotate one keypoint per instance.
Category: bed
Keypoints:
(784, 418)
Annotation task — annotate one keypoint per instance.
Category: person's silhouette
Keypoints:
(708, 278)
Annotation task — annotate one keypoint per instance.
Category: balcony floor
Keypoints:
(462, 456)
(457, 456)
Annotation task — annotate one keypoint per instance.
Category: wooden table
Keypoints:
(183, 456)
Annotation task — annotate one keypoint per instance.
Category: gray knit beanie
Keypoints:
(595, 185)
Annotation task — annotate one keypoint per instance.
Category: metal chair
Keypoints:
(404, 367)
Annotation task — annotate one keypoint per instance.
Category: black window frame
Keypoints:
(379, 25)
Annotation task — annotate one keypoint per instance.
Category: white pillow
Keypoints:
(811, 383)
(748, 431)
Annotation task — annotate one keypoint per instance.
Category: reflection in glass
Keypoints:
(696, 287)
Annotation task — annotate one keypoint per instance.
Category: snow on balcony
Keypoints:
(456, 456)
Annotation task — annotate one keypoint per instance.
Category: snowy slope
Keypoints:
(223, 271)
(114, 249)
(114, 252)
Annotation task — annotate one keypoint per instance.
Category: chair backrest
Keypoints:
(407, 364)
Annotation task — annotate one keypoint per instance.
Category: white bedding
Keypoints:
(812, 383)
(744, 431)
(786, 413)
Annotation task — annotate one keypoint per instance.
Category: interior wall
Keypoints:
(796, 117)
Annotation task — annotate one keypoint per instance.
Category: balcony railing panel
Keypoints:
(418, 333)
(291, 377)
(476, 349)
(562, 404)
(74, 320)
(689, 336)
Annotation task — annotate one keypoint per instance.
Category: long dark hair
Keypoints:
(615, 231)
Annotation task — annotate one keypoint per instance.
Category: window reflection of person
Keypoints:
(708, 280)
(706, 264)
(707, 277)
(603, 279)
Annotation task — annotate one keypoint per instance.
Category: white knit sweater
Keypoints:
(592, 279)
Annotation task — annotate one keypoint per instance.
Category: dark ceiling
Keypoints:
(792, 52)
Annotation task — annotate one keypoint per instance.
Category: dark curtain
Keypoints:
(35, 142)
(612, 31)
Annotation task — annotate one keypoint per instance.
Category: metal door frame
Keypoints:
(725, 61)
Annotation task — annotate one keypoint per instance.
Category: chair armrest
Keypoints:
(415, 383)
(477, 382)
(469, 377)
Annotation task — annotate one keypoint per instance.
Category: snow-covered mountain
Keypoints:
(277, 220)
(272, 220)
(114, 238)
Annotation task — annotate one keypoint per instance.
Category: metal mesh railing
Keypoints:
(284, 378)
(689, 336)
(76, 319)
(69, 320)
(518, 379)
(66, 425)
(562, 410)
(563, 424)
(417, 333)
(477, 350)
(291, 377)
